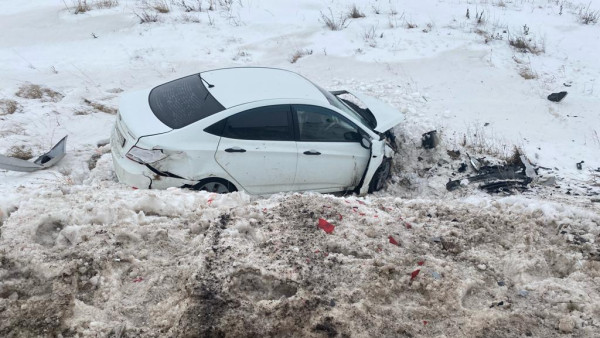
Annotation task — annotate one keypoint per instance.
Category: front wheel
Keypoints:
(381, 175)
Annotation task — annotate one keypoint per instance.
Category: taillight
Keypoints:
(143, 156)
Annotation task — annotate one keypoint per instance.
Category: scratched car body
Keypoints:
(259, 130)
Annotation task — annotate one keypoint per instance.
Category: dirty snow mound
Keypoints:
(156, 263)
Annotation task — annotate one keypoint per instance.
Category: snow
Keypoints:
(82, 255)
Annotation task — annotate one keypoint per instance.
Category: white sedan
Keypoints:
(260, 130)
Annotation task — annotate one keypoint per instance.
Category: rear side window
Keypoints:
(271, 123)
(182, 102)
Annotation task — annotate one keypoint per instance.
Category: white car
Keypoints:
(260, 130)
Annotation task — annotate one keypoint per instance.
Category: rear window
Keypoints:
(182, 102)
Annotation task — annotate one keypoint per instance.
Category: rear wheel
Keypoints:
(216, 185)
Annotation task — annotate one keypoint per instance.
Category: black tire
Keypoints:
(216, 185)
(381, 175)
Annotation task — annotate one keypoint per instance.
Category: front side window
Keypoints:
(321, 124)
(271, 123)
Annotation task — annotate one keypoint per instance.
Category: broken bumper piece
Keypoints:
(499, 178)
(45, 161)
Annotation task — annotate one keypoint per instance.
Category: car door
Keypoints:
(257, 148)
(330, 155)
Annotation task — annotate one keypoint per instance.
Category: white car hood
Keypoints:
(387, 117)
(137, 116)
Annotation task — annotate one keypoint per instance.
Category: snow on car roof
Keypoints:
(235, 86)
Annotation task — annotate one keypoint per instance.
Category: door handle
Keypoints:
(235, 150)
(312, 152)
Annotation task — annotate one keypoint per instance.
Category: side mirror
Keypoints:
(365, 143)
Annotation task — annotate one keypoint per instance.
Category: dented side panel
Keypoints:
(340, 166)
(378, 151)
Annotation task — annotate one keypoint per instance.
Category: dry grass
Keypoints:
(20, 152)
(147, 17)
(81, 6)
(334, 22)
(161, 6)
(191, 6)
(410, 25)
(100, 4)
(355, 13)
(189, 18)
(523, 44)
(481, 141)
(300, 53)
(527, 74)
(587, 16)
(33, 91)
(100, 107)
(8, 107)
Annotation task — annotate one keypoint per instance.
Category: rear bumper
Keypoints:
(131, 173)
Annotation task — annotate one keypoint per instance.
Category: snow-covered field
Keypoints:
(82, 255)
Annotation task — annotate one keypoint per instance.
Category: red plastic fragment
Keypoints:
(392, 240)
(326, 226)
(361, 213)
(361, 202)
(414, 274)
(340, 216)
(425, 322)
(407, 225)
(327, 206)
(138, 279)
(134, 188)
(209, 202)
(420, 263)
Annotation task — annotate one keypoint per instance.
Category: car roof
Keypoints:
(235, 86)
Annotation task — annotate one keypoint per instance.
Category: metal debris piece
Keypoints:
(474, 162)
(499, 178)
(430, 139)
(45, 161)
(557, 97)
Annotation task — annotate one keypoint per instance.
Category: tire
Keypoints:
(216, 185)
(380, 177)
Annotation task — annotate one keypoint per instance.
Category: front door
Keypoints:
(330, 156)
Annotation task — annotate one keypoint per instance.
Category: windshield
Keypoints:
(336, 102)
(182, 102)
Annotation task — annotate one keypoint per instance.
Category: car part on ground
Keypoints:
(557, 97)
(430, 139)
(499, 178)
(44, 161)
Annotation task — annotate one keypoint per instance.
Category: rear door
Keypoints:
(330, 156)
(258, 150)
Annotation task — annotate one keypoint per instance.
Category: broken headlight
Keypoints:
(144, 156)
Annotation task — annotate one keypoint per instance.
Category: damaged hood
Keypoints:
(387, 116)
(135, 113)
